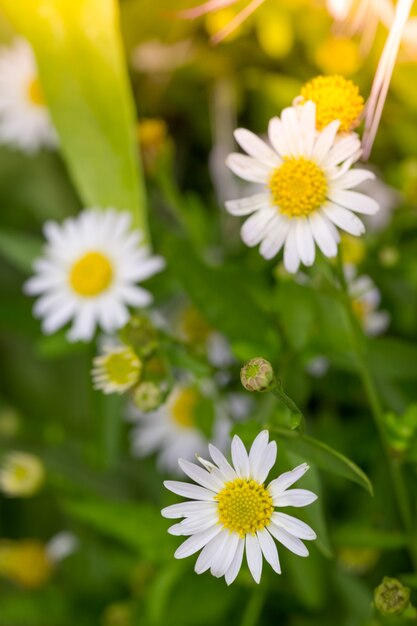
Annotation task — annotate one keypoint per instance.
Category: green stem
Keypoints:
(377, 411)
(253, 608)
(297, 415)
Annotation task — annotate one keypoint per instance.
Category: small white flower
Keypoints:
(89, 273)
(117, 370)
(21, 474)
(172, 430)
(24, 117)
(231, 510)
(366, 299)
(61, 546)
(306, 180)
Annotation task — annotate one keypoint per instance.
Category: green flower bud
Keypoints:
(258, 375)
(147, 397)
(391, 597)
(141, 335)
(117, 614)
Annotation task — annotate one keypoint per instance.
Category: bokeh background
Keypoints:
(189, 97)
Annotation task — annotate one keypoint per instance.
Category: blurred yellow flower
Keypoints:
(117, 614)
(358, 560)
(193, 327)
(336, 98)
(338, 55)
(25, 563)
(353, 249)
(117, 370)
(275, 32)
(218, 21)
(153, 139)
(21, 474)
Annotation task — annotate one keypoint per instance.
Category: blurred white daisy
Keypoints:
(306, 180)
(117, 370)
(172, 430)
(24, 117)
(21, 474)
(357, 17)
(231, 510)
(89, 273)
(366, 298)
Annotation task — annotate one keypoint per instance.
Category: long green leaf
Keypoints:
(324, 457)
(83, 73)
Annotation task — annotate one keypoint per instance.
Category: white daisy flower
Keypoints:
(231, 510)
(306, 187)
(117, 370)
(89, 273)
(24, 117)
(21, 474)
(366, 298)
(172, 430)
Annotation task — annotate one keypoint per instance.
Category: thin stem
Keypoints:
(377, 411)
(253, 608)
(297, 415)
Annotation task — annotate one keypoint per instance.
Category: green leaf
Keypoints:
(19, 249)
(324, 457)
(220, 294)
(354, 536)
(85, 81)
(139, 526)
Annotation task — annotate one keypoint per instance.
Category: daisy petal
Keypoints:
(355, 201)
(245, 206)
(200, 476)
(256, 148)
(325, 141)
(248, 168)
(182, 509)
(256, 226)
(194, 543)
(240, 458)
(222, 463)
(305, 242)
(279, 485)
(269, 549)
(254, 556)
(236, 563)
(295, 497)
(344, 219)
(278, 230)
(293, 544)
(323, 235)
(209, 553)
(189, 491)
(226, 555)
(294, 526)
(291, 256)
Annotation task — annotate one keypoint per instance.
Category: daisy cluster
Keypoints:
(305, 175)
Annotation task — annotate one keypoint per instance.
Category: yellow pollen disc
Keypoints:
(245, 506)
(91, 274)
(122, 368)
(298, 187)
(336, 98)
(35, 93)
(184, 406)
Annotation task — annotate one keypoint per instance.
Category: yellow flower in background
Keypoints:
(26, 563)
(117, 614)
(153, 140)
(218, 22)
(353, 249)
(21, 474)
(338, 55)
(274, 31)
(336, 98)
(193, 326)
(117, 370)
(358, 560)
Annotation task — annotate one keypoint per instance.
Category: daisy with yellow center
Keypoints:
(231, 510)
(117, 370)
(24, 117)
(336, 98)
(89, 272)
(21, 475)
(172, 430)
(306, 183)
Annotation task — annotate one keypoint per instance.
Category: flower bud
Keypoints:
(258, 375)
(147, 397)
(391, 597)
(141, 335)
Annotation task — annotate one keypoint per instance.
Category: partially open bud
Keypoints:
(258, 375)
(147, 397)
(391, 597)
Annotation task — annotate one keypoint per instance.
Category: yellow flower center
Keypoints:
(184, 406)
(354, 249)
(35, 93)
(91, 274)
(298, 187)
(122, 367)
(245, 506)
(361, 309)
(26, 563)
(20, 472)
(336, 98)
